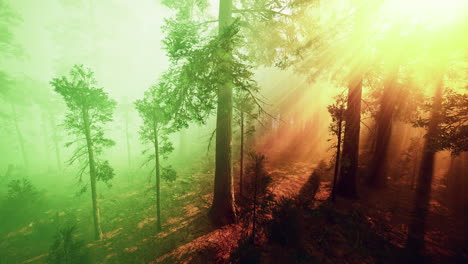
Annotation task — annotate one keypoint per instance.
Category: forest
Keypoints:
(233, 131)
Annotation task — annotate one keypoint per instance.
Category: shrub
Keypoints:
(66, 249)
(21, 205)
(22, 191)
(285, 226)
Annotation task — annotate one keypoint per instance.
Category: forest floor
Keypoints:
(372, 229)
(216, 246)
(369, 230)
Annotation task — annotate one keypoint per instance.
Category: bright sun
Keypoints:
(437, 30)
(429, 12)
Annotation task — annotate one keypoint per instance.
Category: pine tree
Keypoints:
(205, 71)
(155, 129)
(89, 109)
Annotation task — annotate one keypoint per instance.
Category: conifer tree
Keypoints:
(155, 130)
(205, 71)
(89, 109)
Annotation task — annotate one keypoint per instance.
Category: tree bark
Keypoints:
(158, 177)
(349, 162)
(92, 175)
(222, 211)
(384, 120)
(417, 227)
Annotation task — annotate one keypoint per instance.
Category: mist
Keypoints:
(232, 131)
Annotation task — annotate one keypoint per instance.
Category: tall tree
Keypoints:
(155, 129)
(245, 107)
(360, 37)
(328, 50)
(445, 117)
(222, 210)
(447, 129)
(346, 185)
(203, 73)
(89, 109)
(417, 227)
(384, 124)
(393, 55)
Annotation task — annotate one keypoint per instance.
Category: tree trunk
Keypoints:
(241, 166)
(349, 162)
(158, 177)
(384, 120)
(20, 138)
(337, 160)
(92, 175)
(417, 227)
(222, 211)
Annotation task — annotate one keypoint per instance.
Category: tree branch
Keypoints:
(370, 130)
(241, 11)
(211, 139)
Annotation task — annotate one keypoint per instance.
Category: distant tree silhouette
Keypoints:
(447, 129)
(245, 106)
